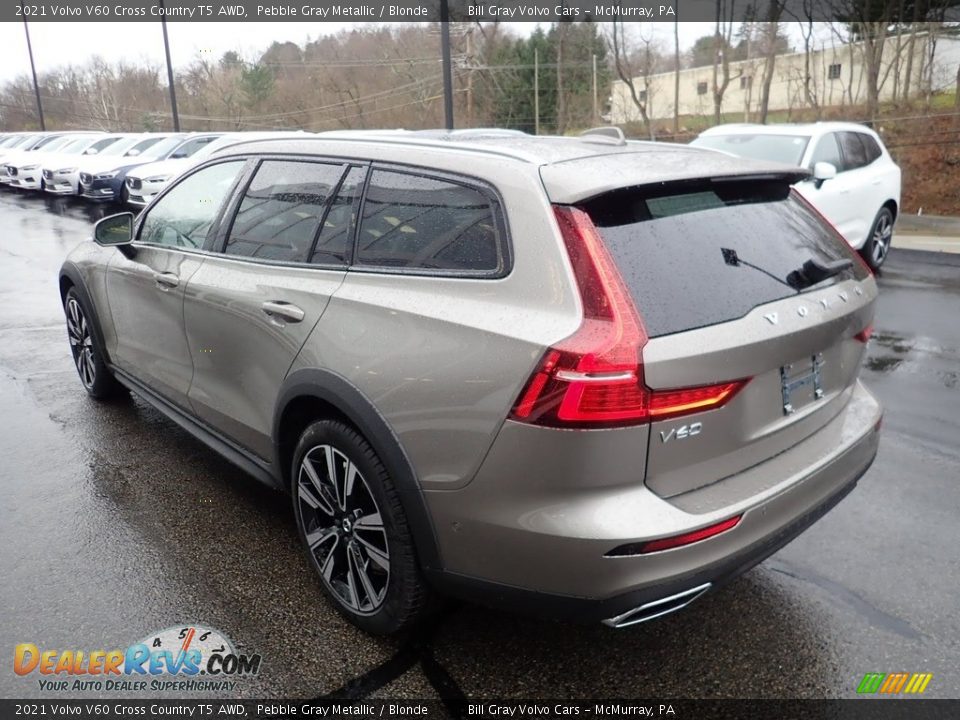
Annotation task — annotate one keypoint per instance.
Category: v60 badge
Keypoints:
(682, 432)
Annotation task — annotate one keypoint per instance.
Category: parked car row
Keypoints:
(129, 168)
(854, 182)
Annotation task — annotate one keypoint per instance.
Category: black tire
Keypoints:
(85, 343)
(877, 246)
(370, 575)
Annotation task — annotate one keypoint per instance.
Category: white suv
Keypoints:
(855, 182)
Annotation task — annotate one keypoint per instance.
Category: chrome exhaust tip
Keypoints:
(657, 608)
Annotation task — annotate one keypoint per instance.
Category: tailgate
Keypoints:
(737, 280)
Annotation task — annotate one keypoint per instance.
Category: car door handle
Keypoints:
(285, 310)
(166, 280)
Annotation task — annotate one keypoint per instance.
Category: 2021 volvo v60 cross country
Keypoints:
(582, 377)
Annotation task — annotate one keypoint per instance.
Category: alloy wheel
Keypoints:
(81, 343)
(343, 528)
(882, 235)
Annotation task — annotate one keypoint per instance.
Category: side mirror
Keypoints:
(115, 231)
(823, 171)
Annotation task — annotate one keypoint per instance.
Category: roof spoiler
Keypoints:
(790, 175)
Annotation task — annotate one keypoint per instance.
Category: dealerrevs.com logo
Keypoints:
(179, 658)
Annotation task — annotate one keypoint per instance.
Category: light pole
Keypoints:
(447, 69)
(33, 69)
(173, 92)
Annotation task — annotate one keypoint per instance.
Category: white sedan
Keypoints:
(855, 183)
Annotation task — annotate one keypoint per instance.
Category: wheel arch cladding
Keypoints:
(70, 279)
(310, 394)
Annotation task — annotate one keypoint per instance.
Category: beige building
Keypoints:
(837, 78)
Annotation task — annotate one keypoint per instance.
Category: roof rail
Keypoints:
(608, 135)
(470, 133)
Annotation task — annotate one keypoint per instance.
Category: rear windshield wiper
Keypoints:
(731, 258)
(815, 271)
(812, 271)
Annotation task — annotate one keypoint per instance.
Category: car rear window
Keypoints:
(787, 149)
(694, 255)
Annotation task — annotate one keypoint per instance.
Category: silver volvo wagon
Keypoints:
(581, 377)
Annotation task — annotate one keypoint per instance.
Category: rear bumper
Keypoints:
(548, 558)
(644, 603)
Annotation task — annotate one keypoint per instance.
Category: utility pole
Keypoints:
(536, 92)
(447, 70)
(469, 39)
(33, 70)
(595, 113)
(173, 92)
(676, 79)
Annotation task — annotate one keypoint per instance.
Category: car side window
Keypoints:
(854, 153)
(828, 151)
(282, 209)
(189, 148)
(871, 146)
(184, 216)
(335, 239)
(415, 222)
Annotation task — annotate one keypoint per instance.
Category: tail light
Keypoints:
(594, 378)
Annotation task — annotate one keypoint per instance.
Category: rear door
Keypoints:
(256, 299)
(859, 175)
(714, 268)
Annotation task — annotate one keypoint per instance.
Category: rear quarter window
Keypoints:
(694, 255)
(413, 222)
(854, 152)
(871, 146)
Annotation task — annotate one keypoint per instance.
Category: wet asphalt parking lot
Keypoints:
(115, 523)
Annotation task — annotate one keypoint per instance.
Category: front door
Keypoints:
(146, 291)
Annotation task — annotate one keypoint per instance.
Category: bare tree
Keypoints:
(676, 78)
(869, 21)
(561, 109)
(723, 32)
(631, 66)
(770, 33)
(805, 18)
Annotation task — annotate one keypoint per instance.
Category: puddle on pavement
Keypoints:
(897, 343)
(884, 364)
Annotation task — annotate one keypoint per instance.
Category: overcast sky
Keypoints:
(57, 43)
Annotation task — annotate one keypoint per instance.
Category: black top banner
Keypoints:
(639, 11)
